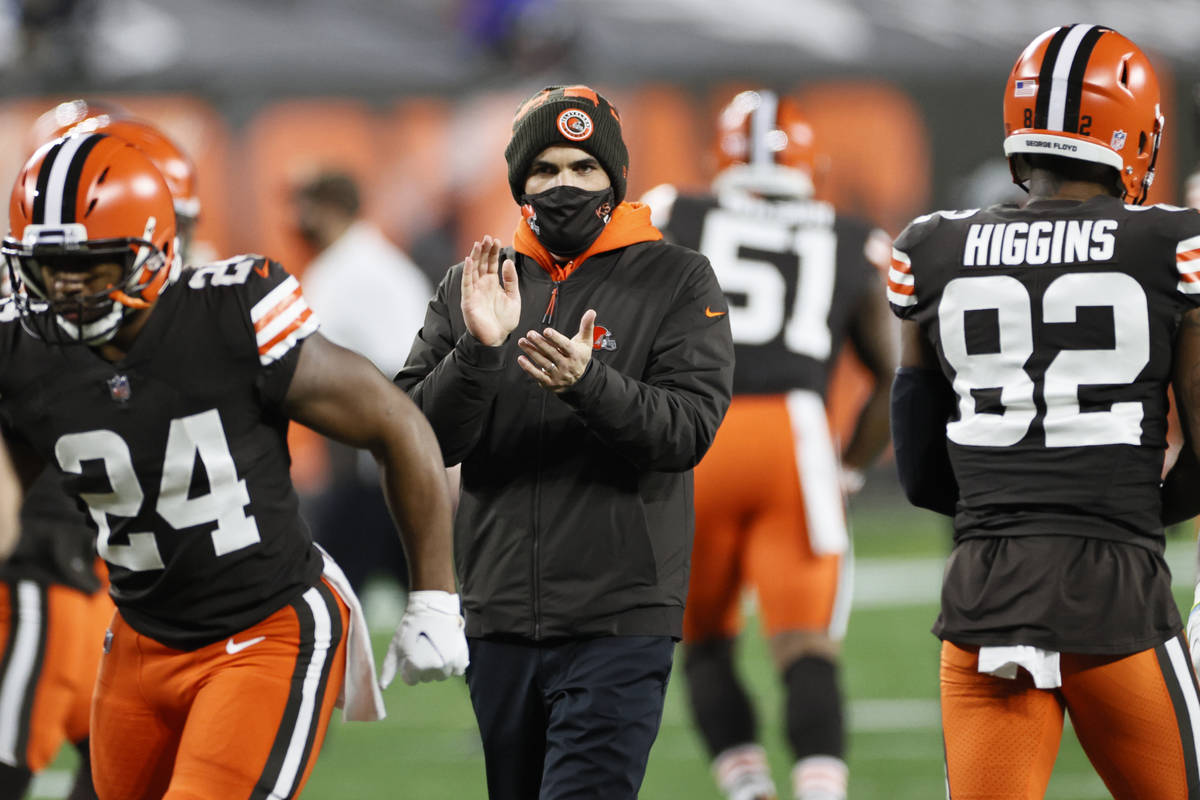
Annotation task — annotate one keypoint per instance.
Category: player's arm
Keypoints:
(1179, 488)
(922, 400)
(340, 394)
(1181, 500)
(874, 335)
(11, 494)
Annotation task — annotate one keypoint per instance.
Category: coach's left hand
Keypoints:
(555, 361)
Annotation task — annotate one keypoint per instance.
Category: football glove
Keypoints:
(429, 643)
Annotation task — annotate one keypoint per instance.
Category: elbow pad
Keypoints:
(922, 401)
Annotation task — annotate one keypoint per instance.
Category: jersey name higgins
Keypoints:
(1060, 241)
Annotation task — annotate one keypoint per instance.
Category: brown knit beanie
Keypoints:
(569, 116)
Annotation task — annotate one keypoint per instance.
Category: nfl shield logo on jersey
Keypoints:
(118, 388)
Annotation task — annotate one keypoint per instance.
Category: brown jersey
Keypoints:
(1055, 325)
(793, 272)
(178, 450)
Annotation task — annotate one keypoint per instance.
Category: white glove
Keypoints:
(429, 643)
(1193, 631)
(851, 480)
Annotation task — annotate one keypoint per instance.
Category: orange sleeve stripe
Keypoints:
(286, 332)
(1191, 277)
(900, 288)
(282, 306)
(901, 266)
(1188, 255)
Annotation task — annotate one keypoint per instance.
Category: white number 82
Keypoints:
(1065, 424)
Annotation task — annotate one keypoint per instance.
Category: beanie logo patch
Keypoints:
(575, 125)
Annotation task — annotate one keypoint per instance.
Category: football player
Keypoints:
(53, 591)
(800, 281)
(1037, 345)
(161, 395)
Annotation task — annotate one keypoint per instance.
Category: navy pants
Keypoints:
(571, 719)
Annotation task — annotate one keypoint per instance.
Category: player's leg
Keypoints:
(1001, 736)
(260, 712)
(799, 561)
(92, 627)
(41, 646)
(606, 699)
(511, 713)
(805, 600)
(133, 743)
(721, 709)
(83, 788)
(1138, 719)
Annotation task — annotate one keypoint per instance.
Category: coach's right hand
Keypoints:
(491, 309)
(429, 643)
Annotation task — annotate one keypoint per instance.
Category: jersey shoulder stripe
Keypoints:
(1187, 261)
(901, 287)
(281, 318)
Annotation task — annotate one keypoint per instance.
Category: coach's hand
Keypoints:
(429, 643)
(491, 301)
(555, 361)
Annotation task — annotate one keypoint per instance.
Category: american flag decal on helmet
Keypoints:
(1025, 89)
(281, 319)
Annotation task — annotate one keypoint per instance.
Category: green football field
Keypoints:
(428, 747)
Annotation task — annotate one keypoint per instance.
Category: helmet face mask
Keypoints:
(1085, 92)
(95, 210)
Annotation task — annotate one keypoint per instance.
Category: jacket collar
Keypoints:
(630, 224)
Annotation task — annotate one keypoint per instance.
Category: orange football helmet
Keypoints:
(177, 168)
(58, 121)
(765, 145)
(1085, 92)
(81, 201)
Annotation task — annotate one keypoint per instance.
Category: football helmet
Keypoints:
(1088, 93)
(83, 201)
(177, 168)
(764, 145)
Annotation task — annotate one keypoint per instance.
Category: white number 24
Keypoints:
(1065, 424)
(199, 435)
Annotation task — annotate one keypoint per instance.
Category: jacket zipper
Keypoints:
(537, 524)
(547, 319)
(548, 316)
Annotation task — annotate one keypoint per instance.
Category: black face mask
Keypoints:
(567, 219)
